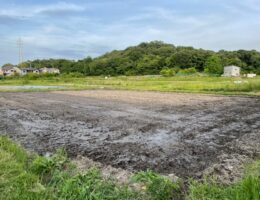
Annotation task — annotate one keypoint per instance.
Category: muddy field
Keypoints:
(182, 134)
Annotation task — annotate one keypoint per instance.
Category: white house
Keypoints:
(25, 71)
(251, 75)
(231, 71)
(10, 70)
(50, 70)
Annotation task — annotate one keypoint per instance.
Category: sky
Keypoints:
(80, 28)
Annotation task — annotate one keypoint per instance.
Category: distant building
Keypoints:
(49, 70)
(25, 71)
(250, 75)
(231, 71)
(11, 70)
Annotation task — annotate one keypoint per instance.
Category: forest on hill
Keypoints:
(153, 58)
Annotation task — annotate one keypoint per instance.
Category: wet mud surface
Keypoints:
(184, 134)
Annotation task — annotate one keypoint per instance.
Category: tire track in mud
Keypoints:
(204, 135)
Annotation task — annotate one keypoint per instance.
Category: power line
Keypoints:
(20, 47)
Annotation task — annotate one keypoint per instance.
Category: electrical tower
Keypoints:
(20, 47)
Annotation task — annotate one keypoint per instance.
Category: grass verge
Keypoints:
(189, 84)
(25, 176)
(32, 177)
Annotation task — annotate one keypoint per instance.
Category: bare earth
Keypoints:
(188, 135)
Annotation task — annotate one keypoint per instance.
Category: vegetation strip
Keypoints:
(28, 176)
(152, 58)
(196, 83)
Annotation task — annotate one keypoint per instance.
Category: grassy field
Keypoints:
(190, 84)
(25, 176)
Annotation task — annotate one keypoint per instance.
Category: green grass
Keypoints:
(32, 177)
(247, 189)
(190, 84)
(159, 187)
(15, 181)
(26, 176)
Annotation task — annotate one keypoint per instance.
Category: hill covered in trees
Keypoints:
(154, 57)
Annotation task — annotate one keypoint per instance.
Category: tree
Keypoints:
(182, 59)
(8, 64)
(151, 57)
(213, 65)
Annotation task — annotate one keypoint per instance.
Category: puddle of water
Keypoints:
(161, 138)
(28, 87)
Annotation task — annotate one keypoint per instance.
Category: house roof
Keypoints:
(8, 67)
(232, 66)
(49, 69)
(29, 69)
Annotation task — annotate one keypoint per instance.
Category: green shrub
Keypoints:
(31, 76)
(34, 76)
(213, 65)
(166, 72)
(48, 165)
(187, 71)
(73, 75)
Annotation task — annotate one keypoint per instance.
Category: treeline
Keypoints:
(154, 58)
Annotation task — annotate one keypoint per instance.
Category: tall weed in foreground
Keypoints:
(247, 189)
(24, 177)
(157, 186)
(93, 186)
(18, 153)
(15, 181)
(29, 177)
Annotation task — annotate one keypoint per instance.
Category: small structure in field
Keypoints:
(11, 70)
(231, 71)
(29, 70)
(1, 72)
(46, 70)
(250, 75)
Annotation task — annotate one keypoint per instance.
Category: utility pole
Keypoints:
(20, 47)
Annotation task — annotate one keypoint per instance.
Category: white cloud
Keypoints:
(59, 9)
(32, 11)
(232, 25)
